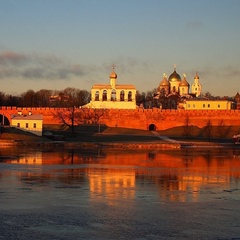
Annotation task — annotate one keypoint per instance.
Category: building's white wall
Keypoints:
(112, 104)
(23, 122)
(207, 105)
(117, 104)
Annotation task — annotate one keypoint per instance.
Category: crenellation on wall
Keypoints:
(142, 118)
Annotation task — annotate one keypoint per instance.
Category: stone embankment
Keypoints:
(67, 145)
(155, 145)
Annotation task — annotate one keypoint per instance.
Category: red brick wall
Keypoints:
(142, 118)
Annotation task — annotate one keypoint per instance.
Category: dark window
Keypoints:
(26, 125)
(130, 96)
(122, 95)
(97, 96)
(113, 95)
(104, 98)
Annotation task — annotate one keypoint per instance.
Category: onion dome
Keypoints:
(196, 76)
(164, 81)
(184, 82)
(113, 74)
(174, 77)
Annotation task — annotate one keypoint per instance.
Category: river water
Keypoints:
(191, 193)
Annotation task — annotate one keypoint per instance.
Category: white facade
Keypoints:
(196, 86)
(31, 123)
(207, 105)
(113, 95)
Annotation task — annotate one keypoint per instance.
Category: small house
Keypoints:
(30, 122)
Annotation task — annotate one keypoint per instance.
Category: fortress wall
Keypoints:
(164, 119)
(142, 118)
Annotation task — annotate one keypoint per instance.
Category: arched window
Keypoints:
(104, 97)
(122, 94)
(130, 96)
(113, 95)
(97, 96)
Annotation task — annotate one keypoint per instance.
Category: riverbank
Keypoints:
(117, 138)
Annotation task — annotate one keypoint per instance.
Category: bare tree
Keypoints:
(207, 130)
(92, 116)
(67, 117)
(28, 99)
(222, 129)
(43, 97)
(71, 114)
(187, 127)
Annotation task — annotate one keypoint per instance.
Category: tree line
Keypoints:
(69, 97)
(47, 98)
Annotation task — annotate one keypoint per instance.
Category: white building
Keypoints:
(32, 122)
(113, 95)
(196, 86)
(192, 104)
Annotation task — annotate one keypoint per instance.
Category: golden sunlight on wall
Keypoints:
(104, 184)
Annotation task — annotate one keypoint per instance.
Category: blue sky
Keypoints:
(54, 44)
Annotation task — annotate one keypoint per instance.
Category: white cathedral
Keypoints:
(175, 85)
(123, 96)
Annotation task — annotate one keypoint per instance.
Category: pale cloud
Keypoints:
(229, 71)
(127, 65)
(226, 72)
(12, 58)
(34, 66)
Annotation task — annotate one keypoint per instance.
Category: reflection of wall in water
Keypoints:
(171, 171)
(111, 184)
(29, 158)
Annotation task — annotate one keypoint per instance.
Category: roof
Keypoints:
(184, 82)
(174, 77)
(27, 117)
(118, 86)
(208, 100)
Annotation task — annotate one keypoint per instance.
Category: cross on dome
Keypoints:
(113, 74)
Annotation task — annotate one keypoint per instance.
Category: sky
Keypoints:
(55, 44)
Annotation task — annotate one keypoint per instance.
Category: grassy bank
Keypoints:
(102, 133)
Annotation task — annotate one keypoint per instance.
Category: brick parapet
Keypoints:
(142, 118)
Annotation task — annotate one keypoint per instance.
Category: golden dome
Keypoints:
(184, 82)
(164, 81)
(174, 77)
(113, 75)
(196, 76)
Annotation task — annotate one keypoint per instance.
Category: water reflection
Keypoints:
(186, 175)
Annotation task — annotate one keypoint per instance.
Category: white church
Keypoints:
(113, 95)
(177, 85)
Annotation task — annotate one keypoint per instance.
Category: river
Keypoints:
(193, 193)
